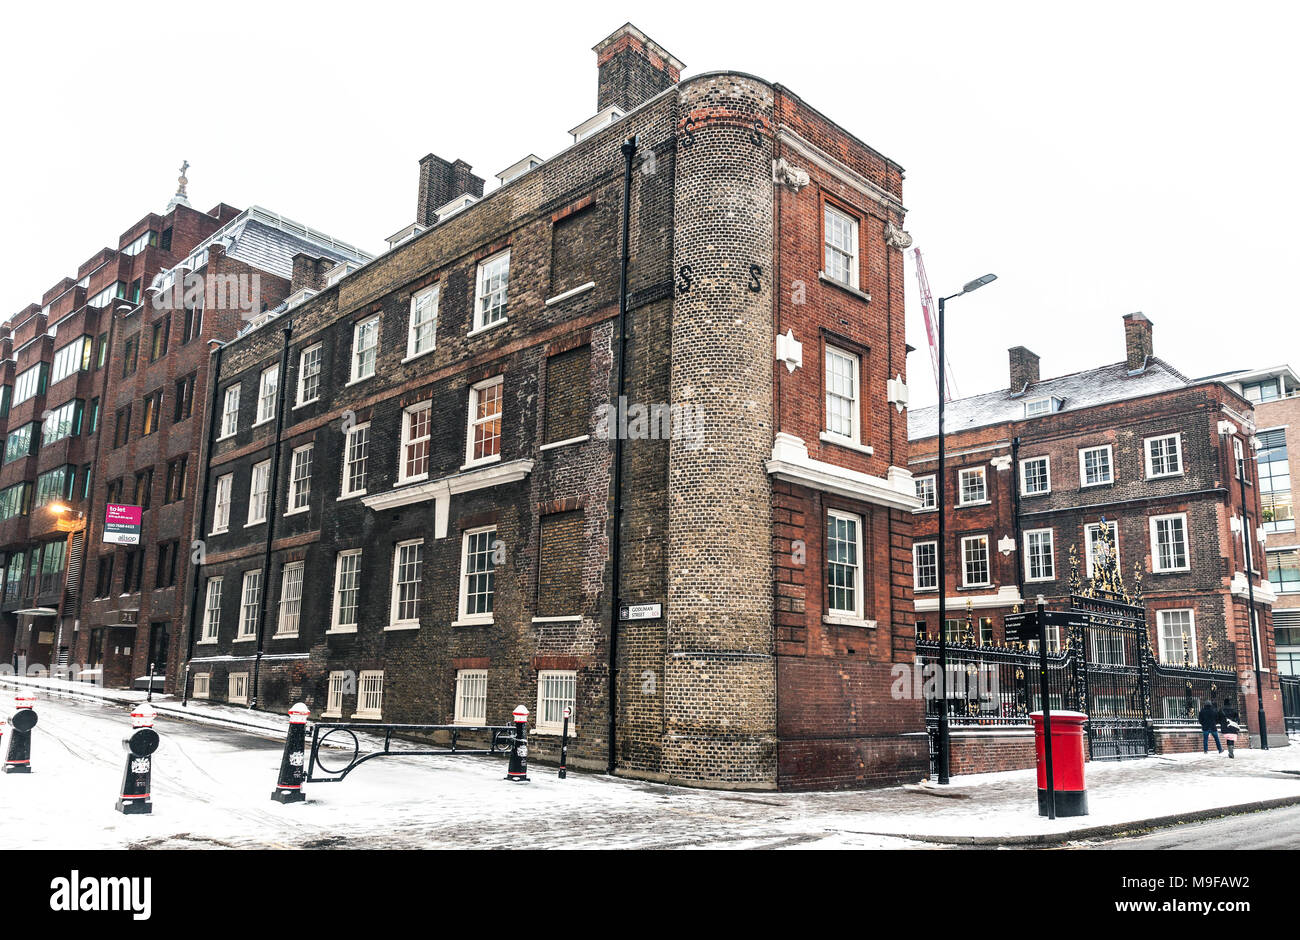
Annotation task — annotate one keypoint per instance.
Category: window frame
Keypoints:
(346, 474)
(463, 678)
(412, 350)
(394, 621)
(409, 417)
(295, 461)
(934, 492)
(475, 397)
(1191, 635)
(1083, 465)
(354, 373)
(319, 350)
(211, 612)
(234, 681)
(478, 322)
(1047, 475)
(283, 606)
(1148, 457)
(220, 508)
(917, 586)
(988, 561)
(983, 472)
(859, 573)
(464, 617)
(1089, 561)
(855, 402)
(336, 607)
(1029, 555)
(556, 726)
(854, 263)
(262, 506)
(364, 678)
(262, 396)
(1153, 523)
(229, 415)
(249, 610)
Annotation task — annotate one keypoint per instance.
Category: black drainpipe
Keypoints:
(629, 151)
(201, 476)
(271, 510)
(1015, 516)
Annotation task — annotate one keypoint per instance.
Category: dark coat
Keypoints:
(1210, 716)
(1228, 714)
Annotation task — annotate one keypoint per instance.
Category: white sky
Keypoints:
(1103, 159)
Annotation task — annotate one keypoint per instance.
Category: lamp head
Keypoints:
(978, 283)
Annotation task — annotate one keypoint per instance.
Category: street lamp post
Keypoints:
(941, 745)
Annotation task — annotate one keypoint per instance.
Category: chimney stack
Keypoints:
(309, 271)
(440, 183)
(1137, 340)
(633, 69)
(1024, 368)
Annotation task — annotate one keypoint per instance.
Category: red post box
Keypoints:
(1069, 747)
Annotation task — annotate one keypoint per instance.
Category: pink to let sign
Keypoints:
(122, 525)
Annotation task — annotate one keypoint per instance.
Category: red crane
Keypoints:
(931, 328)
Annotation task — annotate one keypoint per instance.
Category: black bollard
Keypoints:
(518, 769)
(18, 760)
(293, 765)
(564, 743)
(134, 798)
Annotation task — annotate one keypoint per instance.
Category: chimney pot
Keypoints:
(1137, 341)
(1024, 368)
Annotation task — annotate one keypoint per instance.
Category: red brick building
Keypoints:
(456, 523)
(1036, 469)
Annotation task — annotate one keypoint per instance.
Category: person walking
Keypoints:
(1230, 719)
(1209, 717)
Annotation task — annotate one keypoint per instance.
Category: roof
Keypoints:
(268, 242)
(1081, 390)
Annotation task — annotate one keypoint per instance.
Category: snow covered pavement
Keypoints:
(212, 788)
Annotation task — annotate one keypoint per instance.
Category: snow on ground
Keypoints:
(212, 788)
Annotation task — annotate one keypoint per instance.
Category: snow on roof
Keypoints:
(1081, 390)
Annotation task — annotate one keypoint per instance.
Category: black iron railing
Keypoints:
(1177, 692)
(1291, 703)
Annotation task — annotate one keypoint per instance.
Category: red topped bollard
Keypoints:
(518, 769)
(134, 797)
(293, 765)
(1069, 751)
(18, 759)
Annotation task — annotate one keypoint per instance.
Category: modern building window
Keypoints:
(72, 358)
(1164, 455)
(230, 412)
(347, 591)
(1035, 476)
(103, 575)
(1177, 636)
(15, 500)
(477, 575)
(408, 567)
(842, 407)
(1267, 390)
(556, 691)
(184, 407)
(92, 425)
(841, 238)
(55, 485)
(925, 565)
(490, 290)
(221, 505)
(300, 479)
(193, 324)
(365, 348)
(250, 604)
(309, 369)
(972, 486)
(158, 338)
(259, 489)
(471, 697)
(143, 495)
(212, 610)
(122, 427)
(1095, 466)
(152, 416)
(290, 599)
(165, 572)
(1284, 570)
(417, 436)
(20, 442)
(1040, 555)
(483, 440)
(844, 564)
(370, 694)
(1169, 543)
(356, 456)
(975, 561)
(176, 473)
(422, 333)
(925, 491)
(268, 385)
(63, 421)
(30, 383)
(1092, 543)
(130, 349)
